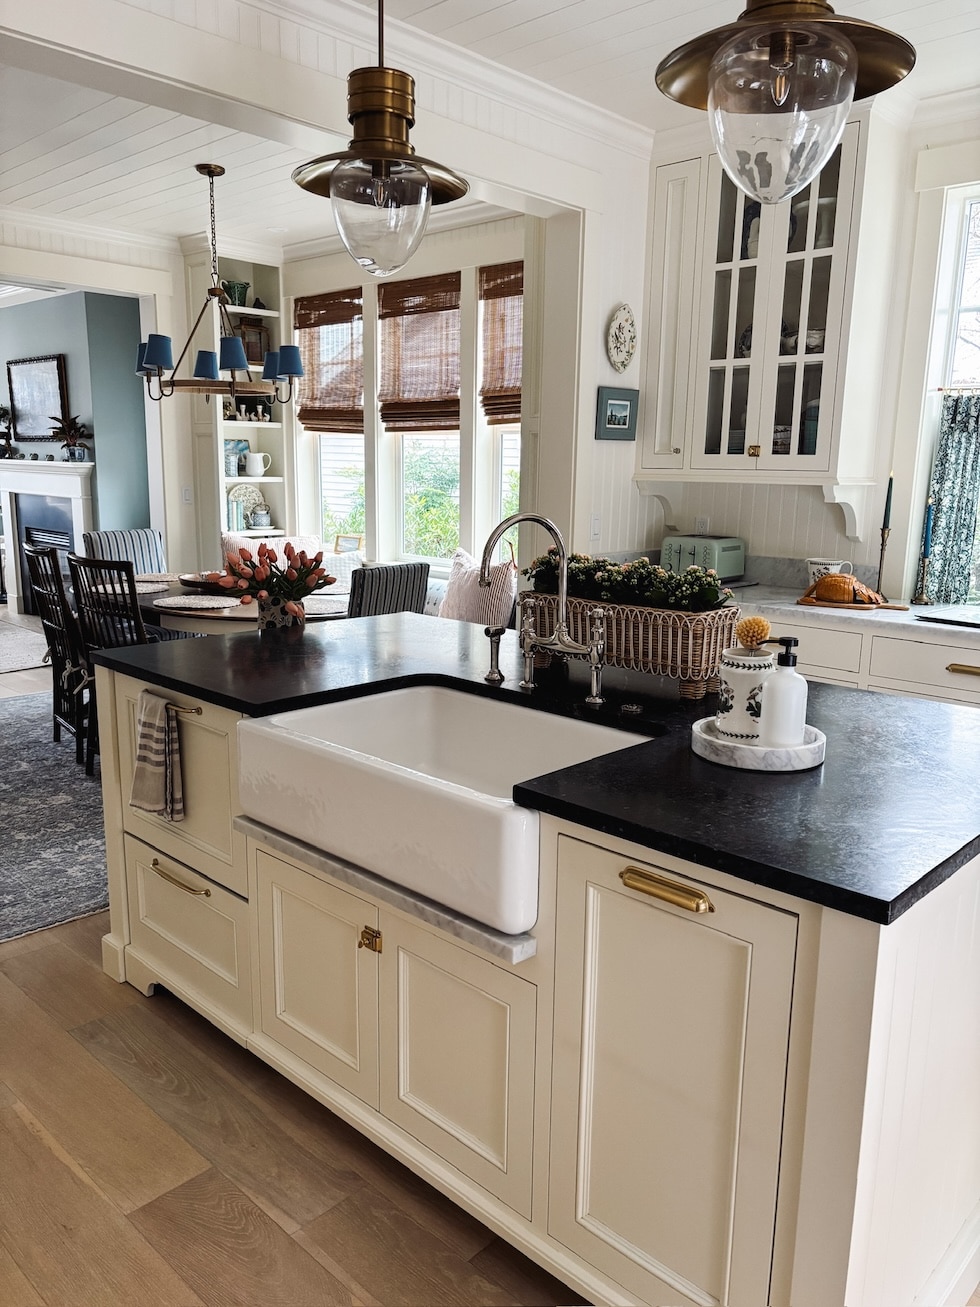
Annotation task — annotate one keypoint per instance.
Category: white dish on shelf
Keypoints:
(708, 743)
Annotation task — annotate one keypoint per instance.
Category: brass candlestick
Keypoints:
(885, 533)
(920, 596)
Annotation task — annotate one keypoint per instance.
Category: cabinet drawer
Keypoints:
(189, 934)
(914, 666)
(205, 839)
(821, 648)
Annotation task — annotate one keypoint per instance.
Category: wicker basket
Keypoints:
(662, 641)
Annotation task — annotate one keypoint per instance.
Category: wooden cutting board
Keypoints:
(854, 608)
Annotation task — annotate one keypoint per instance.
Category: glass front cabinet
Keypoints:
(748, 328)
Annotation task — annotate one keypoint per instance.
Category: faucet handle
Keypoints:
(494, 675)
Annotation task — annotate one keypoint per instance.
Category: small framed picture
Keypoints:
(347, 544)
(615, 416)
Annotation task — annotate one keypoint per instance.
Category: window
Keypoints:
(436, 462)
(330, 330)
(964, 360)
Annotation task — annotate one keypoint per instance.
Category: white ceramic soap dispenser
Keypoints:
(782, 723)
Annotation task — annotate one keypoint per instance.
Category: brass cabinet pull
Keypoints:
(967, 669)
(659, 887)
(188, 889)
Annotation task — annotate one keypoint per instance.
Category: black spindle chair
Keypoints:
(71, 700)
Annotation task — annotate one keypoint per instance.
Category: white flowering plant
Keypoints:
(640, 583)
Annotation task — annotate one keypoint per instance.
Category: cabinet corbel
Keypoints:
(852, 499)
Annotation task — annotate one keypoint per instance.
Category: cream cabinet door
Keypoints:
(318, 986)
(206, 839)
(457, 1057)
(671, 1034)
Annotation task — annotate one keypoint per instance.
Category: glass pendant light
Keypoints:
(778, 84)
(777, 106)
(381, 190)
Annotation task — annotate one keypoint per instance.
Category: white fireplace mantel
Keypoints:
(18, 476)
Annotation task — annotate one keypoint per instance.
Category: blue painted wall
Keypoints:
(98, 335)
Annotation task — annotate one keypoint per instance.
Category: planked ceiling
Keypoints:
(75, 154)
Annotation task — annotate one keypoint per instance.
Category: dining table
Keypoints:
(165, 602)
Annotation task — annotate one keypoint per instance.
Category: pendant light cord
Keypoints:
(214, 239)
(381, 34)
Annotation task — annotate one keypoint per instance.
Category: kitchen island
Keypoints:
(774, 1101)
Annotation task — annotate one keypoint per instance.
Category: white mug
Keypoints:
(256, 465)
(818, 567)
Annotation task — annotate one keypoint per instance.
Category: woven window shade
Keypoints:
(420, 353)
(330, 331)
(502, 295)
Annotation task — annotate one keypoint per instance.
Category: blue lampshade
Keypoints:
(141, 369)
(290, 364)
(271, 369)
(158, 354)
(232, 355)
(206, 367)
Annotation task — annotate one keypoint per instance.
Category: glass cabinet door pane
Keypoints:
(721, 313)
(810, 407)
(729, 212)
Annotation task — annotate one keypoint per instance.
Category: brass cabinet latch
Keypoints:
(754, 451)
(370, 938)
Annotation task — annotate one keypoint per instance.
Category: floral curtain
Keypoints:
(955, 493)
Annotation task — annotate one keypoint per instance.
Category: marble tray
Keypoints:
(708, 744)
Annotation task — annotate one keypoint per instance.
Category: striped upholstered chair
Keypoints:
(388, 588)
(141, 546)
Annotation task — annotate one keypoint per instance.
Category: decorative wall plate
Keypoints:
(621, 338)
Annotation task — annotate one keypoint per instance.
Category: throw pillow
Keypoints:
(467, 601)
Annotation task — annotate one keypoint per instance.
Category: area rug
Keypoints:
(52, 858)
(20, 648)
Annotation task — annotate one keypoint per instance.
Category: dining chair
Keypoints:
(109, 617)
(70, 697)
(388, 588)
(141, 546)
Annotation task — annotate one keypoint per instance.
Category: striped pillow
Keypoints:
(467, 601)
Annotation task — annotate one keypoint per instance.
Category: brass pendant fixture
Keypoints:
(778, 84)
(380, 188)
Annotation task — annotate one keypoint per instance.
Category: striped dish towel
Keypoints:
(157, 786)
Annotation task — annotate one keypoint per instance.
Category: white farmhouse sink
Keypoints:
(416, 786)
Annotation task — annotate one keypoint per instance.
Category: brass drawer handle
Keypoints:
(659, 887)
(967, 669)
(188, 889)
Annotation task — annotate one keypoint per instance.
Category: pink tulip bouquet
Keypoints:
(263, 577)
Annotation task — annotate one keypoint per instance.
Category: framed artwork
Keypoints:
(347, 544)
(38, 396)
(255, 338)
(615, 415)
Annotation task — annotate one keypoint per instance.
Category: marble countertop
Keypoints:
(780, 603)
(892, 812)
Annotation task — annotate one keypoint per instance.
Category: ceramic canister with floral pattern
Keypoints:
(742, 674)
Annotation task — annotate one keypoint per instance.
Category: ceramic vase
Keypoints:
(273, 615)
(743, 672)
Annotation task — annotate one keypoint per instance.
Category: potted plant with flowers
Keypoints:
(666, 623)
(277, 586)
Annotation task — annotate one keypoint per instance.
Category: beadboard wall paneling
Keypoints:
(775, 521)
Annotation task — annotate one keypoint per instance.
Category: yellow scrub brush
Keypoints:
(752, 631)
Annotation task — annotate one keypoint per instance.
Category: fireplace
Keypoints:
(41, 500)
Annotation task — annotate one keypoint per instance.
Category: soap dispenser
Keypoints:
(782, 724)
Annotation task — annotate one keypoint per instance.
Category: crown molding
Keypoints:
(477, 215)
(944, 110)
(79, 239)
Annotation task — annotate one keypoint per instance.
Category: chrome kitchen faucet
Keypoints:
(560, 642)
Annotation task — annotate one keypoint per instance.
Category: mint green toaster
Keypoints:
(726, 554)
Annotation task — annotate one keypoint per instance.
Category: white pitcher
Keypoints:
(256, 465)
(742, 674)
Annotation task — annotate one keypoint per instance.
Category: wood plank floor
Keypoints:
(148, 1161)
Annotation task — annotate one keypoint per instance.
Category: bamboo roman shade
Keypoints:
(330, 330)
(502, 296)
(420, 353)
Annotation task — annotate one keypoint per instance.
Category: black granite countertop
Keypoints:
(893, 811)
